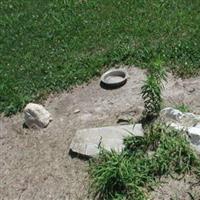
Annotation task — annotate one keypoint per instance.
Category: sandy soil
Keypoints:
(187, 188)
(35, 165)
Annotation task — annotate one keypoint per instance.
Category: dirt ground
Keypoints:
(35, 165)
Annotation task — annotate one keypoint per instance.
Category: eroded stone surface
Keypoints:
(189, 119)
(177, 126)
(36, 116)
(177, 118)
(194, 133)
(88, 141)
(171, 114)
(197, 125)
(188, 122)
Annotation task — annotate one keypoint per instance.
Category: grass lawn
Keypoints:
(52, 45)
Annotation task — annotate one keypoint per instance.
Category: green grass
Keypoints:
(49, 46)
(183, 107)
(131, 174)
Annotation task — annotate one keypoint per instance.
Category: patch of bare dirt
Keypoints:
(35, 165)
(187, 188)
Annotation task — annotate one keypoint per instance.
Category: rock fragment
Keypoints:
(36, 116)
(171, 114)
(194, 134)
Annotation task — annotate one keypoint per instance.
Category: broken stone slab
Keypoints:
(171, 114)
(194, 134)
(187, 122)
(36, 116)
(87, 142)
(189, 119)
(196, 148)
(177, 126)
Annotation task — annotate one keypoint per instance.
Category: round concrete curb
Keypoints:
(114, 78)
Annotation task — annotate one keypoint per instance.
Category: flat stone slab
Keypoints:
(87, 142)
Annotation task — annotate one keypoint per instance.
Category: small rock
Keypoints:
(130, 116)
(171, 114)
(191, 90)
(151, 154)
(76, 111)
(124, 119)
(36, 116)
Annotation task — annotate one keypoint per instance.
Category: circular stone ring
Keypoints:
(114, 78)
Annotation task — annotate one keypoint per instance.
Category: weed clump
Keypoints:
(151, 90)
(132, 173)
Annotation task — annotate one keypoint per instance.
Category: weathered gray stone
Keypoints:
(36, 116)
(125, 119)
(197, 125)
(196, 148)
(189, 119)
(77, 111)
(177, 126)
(171, 114)
(178, 119)
(188, 122)
(194, 134)
(87, 142)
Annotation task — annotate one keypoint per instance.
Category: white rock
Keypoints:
(197, 125)
(77, 111)
(171, 113)
(36, 116)
(177, 126)
(194, 134)
(189, 119)
(176, 116)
